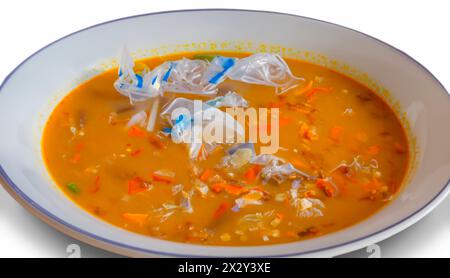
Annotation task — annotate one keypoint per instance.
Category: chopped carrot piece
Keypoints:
(79, 147)
(156, 141)
(136, 185)
(257, 188)
(136, 218)
(229, 188)
(252, 173)
(374, 150)
(96, 185)
(284, 121)
(400, 149)
(299, 164)
(327, 187)
(336, 133)
(316, 90)
(160, 178)
(220, 211)
(217, 187)
(234, 189)
(291, 234)
(136, 152)
(135, 131)
(206, 174)
(306, 132)
(75, 158)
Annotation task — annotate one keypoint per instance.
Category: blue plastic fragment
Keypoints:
(251, 146)
(140, 81)
(226, 64)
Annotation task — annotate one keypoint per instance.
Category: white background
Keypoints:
(418, 28)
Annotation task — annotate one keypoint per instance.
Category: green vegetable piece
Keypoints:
(207, 57)
(73, 187)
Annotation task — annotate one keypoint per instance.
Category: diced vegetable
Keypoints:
(73, 187)
(327, 187)
(400, 149)
(336, 133)
(136, 185)
(135, 131)
(234, 189)
(221, 210)
(160, 178)
(156, 141)
(136, 152)
(306, 132)
(316, 90)
(252, 173)
(206, 174)
(75, 158)
(207, 57)
(136, 218)
(95, 186)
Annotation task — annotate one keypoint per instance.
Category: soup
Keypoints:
(342, 155)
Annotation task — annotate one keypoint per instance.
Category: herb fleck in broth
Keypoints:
(331, 127)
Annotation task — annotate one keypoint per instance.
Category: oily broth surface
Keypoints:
(102, 160)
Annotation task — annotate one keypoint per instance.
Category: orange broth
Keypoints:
(109, 169)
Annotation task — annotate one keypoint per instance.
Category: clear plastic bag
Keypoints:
(185, 76)
(202, 77)
(230, 99)
(184, 130)
(136, 86)
(265, 69)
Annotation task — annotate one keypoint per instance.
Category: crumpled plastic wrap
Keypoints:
(138, 86)
(185, 76)
(184, 130)
(305, 207)
(276, 168)
(265, 69)
(201, 76)
(308, 207)
(239, 155)
(253, 197)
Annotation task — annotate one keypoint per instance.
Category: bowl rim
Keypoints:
(111, 245)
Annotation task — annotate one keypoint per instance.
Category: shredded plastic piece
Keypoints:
(201, 187)
(308, 207)
(153, 114)
(305, 207)
(230, 99)
(238, 158)
(177, 189)
(185, 76)
(242, 146)
(138, 119)
(265, 69)
(136, 86)
(185, 202)
(276, 168)
(253, 197)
